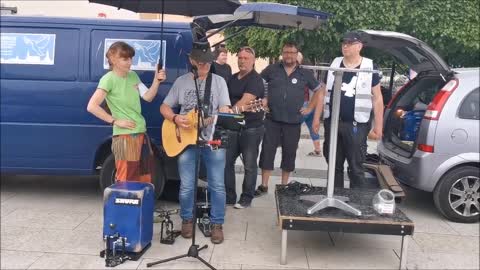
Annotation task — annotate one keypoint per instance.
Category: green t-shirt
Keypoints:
(123, 99)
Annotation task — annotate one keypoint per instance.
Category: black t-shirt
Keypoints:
(286, 94)
(225, 71)
(252, 83)
(347, 104)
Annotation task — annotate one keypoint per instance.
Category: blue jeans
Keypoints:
(308, 119)
(244, 142)
(215, 164)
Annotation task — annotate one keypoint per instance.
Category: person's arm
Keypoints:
(254, 89)
(320, 97)
(150, 94)
(314, 85)
(178, 119)
(94, 107)
(266, 77)
(246, 98)
(170, 101)
(377, 102)
(223, 98)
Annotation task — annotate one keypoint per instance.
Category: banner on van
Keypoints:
(28, 49)
(147, 53)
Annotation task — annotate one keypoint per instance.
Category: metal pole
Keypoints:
(283, 256)
(334, 116)
(403, 253)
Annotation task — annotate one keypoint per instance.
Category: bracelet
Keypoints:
(113, 122)
(173, 119)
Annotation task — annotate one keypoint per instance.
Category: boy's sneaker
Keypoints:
(242, 204)
(261, 190)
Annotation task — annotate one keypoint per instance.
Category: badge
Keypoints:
(294, 81)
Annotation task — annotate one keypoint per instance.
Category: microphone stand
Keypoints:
(194, 248)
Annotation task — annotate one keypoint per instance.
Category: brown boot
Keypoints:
(187, 228)
(217, 234)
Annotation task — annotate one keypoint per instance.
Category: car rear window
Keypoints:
(470, 108)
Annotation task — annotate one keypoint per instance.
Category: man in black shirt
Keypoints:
(286, 86)
(220, 66)
(360, 93)
(244, 87)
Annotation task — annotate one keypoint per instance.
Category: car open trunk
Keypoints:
(404, 117)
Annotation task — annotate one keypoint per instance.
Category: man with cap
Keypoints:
(183, 95)
(360, 93)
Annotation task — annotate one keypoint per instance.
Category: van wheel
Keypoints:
(457, 196)
(107, 175)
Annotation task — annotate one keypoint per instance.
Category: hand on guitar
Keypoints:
(128, 124)
(182, 121)
(252, 106)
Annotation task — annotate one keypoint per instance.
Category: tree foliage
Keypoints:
(451, 27)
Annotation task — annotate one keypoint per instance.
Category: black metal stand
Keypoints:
(194, 248)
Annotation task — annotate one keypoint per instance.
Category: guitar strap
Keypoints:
(207, 94)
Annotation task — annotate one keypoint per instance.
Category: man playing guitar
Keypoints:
(183, 95)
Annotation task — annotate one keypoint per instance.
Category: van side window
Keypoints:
(147, 52)
(470, 108)
(40, 53)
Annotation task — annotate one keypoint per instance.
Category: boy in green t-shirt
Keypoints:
(122, 89)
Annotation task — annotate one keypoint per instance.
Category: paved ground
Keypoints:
(56, 223)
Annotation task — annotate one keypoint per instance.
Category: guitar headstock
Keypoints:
(254, 106)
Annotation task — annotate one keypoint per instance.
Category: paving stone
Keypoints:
(51, 219)
(352, 258)
(470, 229)
(257, 253)
(428, 260)
(14, 259)
(75, 261)
(182, 264)
(452, 244)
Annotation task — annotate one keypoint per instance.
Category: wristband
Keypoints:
(173, 119)
(113, 122)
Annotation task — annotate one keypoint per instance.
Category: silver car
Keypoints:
(431, 127)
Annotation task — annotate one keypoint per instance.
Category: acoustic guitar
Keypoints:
(176, 139)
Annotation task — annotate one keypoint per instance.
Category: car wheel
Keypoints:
(107, 175)
(457, 196)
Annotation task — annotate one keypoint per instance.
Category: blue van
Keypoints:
(49, 69)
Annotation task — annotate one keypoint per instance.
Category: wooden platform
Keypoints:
(292, 215)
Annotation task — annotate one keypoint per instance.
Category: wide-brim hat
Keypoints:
(201, 52)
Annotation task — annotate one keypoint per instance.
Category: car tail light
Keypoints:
(436, 106)
(389, 105)
(425, 148)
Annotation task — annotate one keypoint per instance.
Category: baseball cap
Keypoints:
(351, 37)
